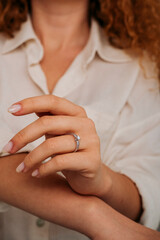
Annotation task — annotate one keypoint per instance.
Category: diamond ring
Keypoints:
(77, 140)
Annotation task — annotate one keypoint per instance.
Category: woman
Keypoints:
(97, 104)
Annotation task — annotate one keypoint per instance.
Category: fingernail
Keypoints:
(20, 168)
(35, 173)
(14, 108)
(8, 147)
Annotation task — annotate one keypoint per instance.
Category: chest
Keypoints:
(55, 63)
(96, 88)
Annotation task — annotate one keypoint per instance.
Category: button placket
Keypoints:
(40, 222)
(34, 52)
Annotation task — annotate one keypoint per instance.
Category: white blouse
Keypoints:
(123, 103)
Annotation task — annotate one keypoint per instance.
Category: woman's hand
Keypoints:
(84, 171)
(58, 118)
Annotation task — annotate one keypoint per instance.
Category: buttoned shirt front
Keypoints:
(113, 89)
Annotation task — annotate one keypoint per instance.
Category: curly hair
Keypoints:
(128, 24)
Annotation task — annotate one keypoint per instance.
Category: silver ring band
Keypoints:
(77, 140)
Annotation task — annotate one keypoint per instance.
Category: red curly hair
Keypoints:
(129, 24)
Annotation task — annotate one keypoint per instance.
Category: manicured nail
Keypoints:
(20, 168)
(8, 147)
(14, 108)
(35, 173)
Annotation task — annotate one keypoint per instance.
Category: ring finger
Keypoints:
(52, 146)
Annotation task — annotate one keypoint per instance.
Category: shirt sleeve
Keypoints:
(135, 146)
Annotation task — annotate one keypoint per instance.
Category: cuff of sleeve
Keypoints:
(149, 190)
(4, 207)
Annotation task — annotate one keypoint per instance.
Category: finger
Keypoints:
(41, 114)
(78, 161)
(54, 125)
(52, 146)
(47, 103)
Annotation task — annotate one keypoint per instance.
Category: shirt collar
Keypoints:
(26, 33)
(97, 43)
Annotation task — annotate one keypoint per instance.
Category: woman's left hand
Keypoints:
(58, 118)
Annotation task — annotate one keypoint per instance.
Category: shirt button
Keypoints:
(40, 222)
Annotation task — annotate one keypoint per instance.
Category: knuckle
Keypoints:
(95, 140)
(50, 143)
(91, 123)
(43, 169)
(53, 99)
(82, 111)
(58, 162)
(29, 161)
(20, 136)
(59, 121)
(31, 101)
(45, 121)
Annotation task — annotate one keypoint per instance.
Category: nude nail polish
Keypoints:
(14, 108)
(8, 147)
(35, 173)
(20, 168)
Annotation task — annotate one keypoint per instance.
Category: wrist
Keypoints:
(101, 220)
(93, 217)
(106, 223)
(105, 183)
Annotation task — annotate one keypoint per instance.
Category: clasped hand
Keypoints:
(58, 117)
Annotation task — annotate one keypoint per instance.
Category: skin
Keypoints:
(59, 39)
(84, 170)
(62, 43)
(45, 198)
